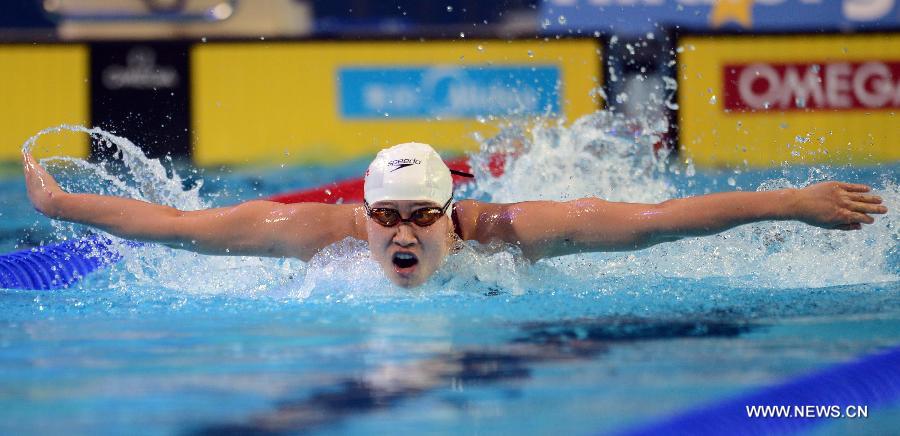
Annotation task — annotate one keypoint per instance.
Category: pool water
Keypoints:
(171, 342)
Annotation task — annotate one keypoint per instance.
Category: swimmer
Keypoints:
(412, 225)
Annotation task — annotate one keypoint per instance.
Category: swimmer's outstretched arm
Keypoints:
(255, 228)
(547, 229)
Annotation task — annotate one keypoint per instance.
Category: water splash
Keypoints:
(131, 174)
(607, 156)
(140, 178)
(601, 155)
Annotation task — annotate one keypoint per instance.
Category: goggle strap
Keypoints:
(461, 173)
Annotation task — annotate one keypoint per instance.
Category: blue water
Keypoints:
(170, 342)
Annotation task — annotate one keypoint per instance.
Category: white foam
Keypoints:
(606, 156)
(600, 155)
(133, 175)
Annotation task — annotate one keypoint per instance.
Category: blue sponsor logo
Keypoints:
(448, 92)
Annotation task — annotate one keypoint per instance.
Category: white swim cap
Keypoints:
(410, 171)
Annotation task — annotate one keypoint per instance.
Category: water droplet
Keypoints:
(203, 39)
(562, 19)
(712, 100)
(530, 54)
(800, 102)
(462, 34)
(690, 171)
(449, 8)
(731, 181)
(480, 47)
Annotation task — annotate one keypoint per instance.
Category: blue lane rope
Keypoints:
(873, 381)
(56, 266)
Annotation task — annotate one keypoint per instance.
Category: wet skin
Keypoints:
(409, 254)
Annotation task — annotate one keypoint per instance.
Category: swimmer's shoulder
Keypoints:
(333, 221)
(471, 219)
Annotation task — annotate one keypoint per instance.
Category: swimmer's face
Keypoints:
(407, 253)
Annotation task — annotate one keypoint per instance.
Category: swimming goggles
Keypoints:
(423, 217)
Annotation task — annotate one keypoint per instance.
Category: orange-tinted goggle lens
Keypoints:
(423, 217)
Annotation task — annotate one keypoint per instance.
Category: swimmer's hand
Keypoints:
(43, 191)
(837, 205)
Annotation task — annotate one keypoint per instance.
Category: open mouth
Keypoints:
(405, 260)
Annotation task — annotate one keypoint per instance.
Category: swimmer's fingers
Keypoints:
(838, 205)
(855, 187)
(867, 207)
(36, 174)
(31, 169)
(855, 226)
(41, 187)
(865, 198)
(28, 161)
(856, 218)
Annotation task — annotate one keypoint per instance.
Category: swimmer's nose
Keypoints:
(405, 236)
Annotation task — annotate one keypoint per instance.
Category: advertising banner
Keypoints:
(332, 101)
(448, 92)
(140, 91)
(764, 100)
(43, 86)
(637, 17)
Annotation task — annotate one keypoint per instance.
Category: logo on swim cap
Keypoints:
(403, 163)
(425, 176)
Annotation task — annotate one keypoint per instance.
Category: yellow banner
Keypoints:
(764, 100)
(43, 86)
(327, 102)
